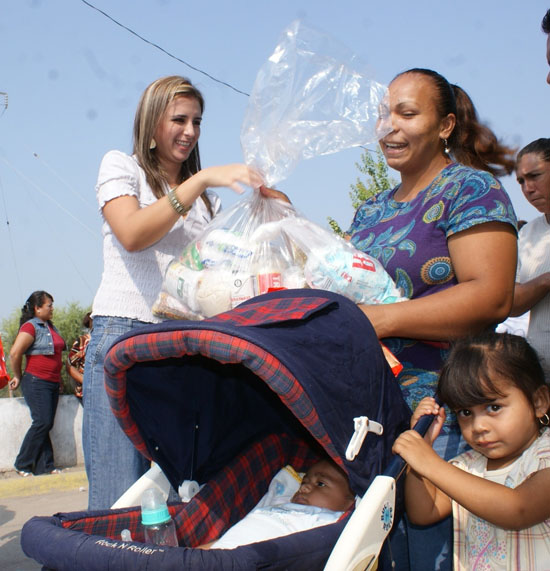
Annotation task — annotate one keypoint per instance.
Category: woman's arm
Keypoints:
(484, 262)
(22, 342)
(530, 293)
(138, 228)
(509, 508)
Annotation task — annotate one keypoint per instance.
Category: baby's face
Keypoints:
(324, 486)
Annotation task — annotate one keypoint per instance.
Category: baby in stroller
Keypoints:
(293, 504)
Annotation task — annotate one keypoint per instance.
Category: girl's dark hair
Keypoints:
(538, 147)
(546, 23)
(472, 143)
(36, 299)
(475, 365)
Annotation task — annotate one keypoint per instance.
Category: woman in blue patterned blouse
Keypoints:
(446, 233)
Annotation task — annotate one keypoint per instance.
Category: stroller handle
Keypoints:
(397, 465)
(361, 540)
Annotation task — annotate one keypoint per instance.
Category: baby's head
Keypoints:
(325, 485)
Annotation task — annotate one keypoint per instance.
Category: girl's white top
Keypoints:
(480, 545)
(131, 281)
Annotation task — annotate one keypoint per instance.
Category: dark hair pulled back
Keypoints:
(539, 147)
(472, 143)
(36, 299)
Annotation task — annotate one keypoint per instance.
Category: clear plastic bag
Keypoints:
(333, 264)
(312, 97)
(227, 265)
(260, 245)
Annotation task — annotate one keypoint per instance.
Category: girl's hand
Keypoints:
(428, 405)
(418, 453)
(231, 176)
(14, 383)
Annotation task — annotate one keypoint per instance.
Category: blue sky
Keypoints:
(73, 79)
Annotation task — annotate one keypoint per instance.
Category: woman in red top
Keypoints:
(42, 345)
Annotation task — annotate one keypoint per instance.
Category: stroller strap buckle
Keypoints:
(362, 426)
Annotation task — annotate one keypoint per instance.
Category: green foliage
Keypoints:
(374, 167)
(68, 321)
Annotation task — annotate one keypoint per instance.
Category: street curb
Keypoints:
(16, 486)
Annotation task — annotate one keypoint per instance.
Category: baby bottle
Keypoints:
(158, 526)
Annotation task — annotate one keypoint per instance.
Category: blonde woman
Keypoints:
(153, 203)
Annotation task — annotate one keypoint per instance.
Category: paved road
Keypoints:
(23, 498)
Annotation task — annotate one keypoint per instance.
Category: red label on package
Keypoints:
(363, 263)
(268, 281)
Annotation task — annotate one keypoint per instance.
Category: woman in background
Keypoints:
(42, 345)
(533, 279)
(77, 354)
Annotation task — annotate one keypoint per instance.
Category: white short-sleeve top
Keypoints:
(131, 281)
(534, 260)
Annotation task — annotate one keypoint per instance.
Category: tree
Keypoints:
(68, 321)
(373, 165)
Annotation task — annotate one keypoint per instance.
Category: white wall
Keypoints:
(66, 434)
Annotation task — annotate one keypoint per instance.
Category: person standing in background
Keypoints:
(42, 345)
(532, 290)
(77, 354)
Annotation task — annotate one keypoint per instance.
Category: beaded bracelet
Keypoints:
(180, 208)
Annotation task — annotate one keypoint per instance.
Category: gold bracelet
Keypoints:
(180, 208)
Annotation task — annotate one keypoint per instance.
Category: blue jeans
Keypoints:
(112, 462)
(36, 452)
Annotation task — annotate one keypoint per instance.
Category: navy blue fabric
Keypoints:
(214, 418)
(65, 550)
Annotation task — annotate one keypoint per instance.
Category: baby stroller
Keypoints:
(228, 401)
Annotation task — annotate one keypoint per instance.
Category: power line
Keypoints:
(10, 237)
(53, 229)
(164, 51)
(73, 191)
(4, 97)
(42, 191)
(4, 101)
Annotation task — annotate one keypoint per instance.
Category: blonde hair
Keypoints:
(152, 105)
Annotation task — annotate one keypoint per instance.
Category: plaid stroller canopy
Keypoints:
(192, 394)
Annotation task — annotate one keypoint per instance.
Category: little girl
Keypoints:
(499, 491)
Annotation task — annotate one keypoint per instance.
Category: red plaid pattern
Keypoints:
(272, 311)
(223, 501)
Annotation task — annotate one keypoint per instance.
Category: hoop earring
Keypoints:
(544, 420)
(152, 144)
(446, 148)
